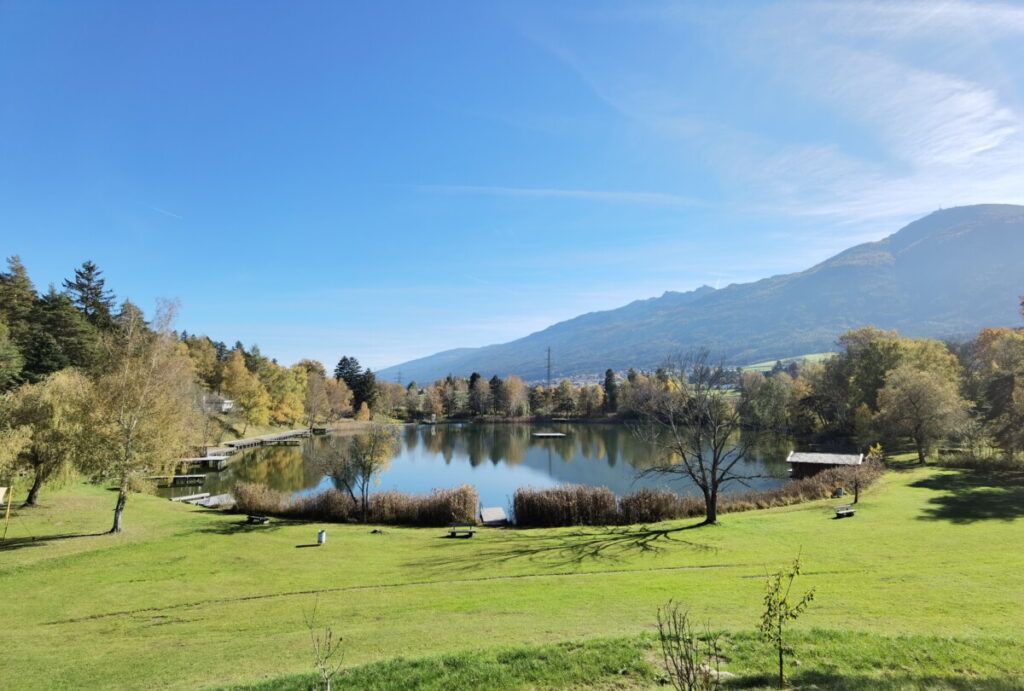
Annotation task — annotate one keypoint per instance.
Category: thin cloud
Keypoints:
(165, 212)
(940, 126)
(650, 198)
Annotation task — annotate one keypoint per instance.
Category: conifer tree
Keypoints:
(89, 294)
(11, 360)
(58, 336)
(17, 298)
(611, 391)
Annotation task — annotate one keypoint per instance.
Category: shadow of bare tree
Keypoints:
(13, 543)
(565, 548)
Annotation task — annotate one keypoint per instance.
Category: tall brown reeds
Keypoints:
(439, 508)
(578, 505)
(565, 505)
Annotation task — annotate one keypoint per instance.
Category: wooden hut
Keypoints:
(805, 464)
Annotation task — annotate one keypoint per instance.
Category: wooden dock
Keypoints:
(189, 498)
(177, 480)
(211, 462)
(280, 439)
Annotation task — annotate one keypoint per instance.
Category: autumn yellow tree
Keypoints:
(142, 417)
(53, 413)
(204, 361)
(247, 391)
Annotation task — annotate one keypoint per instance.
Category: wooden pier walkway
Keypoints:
(280, 438)
(211, 462)
(177, 480)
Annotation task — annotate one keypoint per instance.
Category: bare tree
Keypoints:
(695, 428)
(328, 655)
(354, 462)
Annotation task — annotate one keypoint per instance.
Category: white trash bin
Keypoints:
(321, 537)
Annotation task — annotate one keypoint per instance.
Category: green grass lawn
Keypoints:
(189, 598)
(768, 364)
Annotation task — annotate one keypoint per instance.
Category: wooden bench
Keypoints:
(464, 529)
(257, 520)
(845, 511)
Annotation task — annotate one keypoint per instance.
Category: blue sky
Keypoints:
(387, 180)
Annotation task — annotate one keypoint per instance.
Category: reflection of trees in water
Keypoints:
(610, 447)
(509, 444)
(277, 467)
(411, 437)
(771, 449)
(476, 443)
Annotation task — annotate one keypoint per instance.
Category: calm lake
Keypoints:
(495, 458)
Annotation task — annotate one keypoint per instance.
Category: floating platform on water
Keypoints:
(493, 516)
(549, 435)
(216, 501)
(189, 498)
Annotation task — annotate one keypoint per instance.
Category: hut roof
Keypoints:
(825, 458)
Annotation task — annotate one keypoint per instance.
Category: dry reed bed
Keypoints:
(439, 508)
(567, 505)
(579, 505)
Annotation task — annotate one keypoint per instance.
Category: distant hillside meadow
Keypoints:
(944, 276)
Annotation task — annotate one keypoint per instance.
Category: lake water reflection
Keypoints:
(496, 459)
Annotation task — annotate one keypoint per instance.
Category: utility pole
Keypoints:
(549, 367)
(398, 378)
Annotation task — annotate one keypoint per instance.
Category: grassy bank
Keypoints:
(187, 598)
(824, 660)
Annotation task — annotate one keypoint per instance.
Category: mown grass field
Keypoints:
(188, 598)
(768, 364)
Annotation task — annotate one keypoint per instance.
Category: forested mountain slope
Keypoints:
(945, 275)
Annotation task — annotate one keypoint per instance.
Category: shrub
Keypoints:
(692, 660)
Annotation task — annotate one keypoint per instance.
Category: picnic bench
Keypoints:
(463, 529)
(844, 511)
(257, 520)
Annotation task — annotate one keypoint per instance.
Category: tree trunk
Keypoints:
(122, 498)
(920, 453)
(782, 672)
(710, 507)
(33, 493)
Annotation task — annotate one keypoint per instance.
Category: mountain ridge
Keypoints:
(944, 275)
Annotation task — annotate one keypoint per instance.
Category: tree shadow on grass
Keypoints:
(13, 543)
(970, 496)
(243, 526)
(853, 682)
(565, 549)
